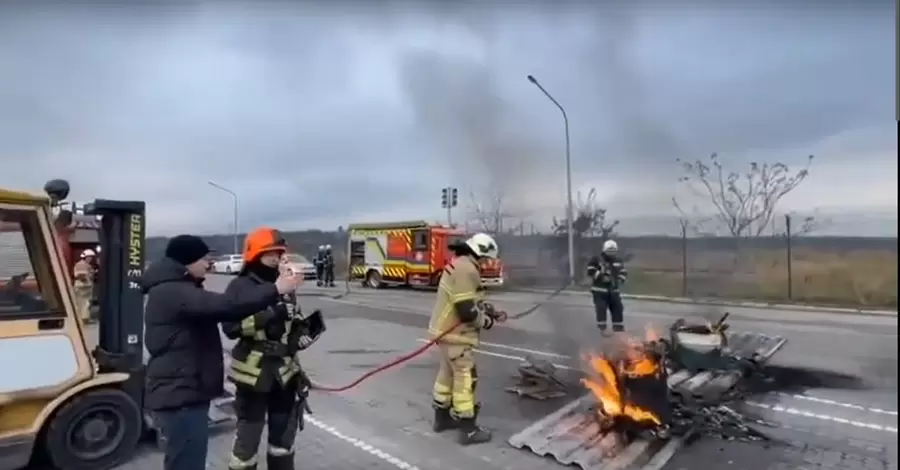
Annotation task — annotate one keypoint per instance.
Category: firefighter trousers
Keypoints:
(329, 274)
(83, 297)
(285, 415)
(609, 301)
(454, 387)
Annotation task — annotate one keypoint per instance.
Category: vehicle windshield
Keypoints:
(295, 258)
(456, 240)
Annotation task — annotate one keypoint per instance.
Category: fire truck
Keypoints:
(409, 253)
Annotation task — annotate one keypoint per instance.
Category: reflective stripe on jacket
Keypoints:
(459, 281)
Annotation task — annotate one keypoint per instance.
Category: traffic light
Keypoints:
(444, 198)
(453, 198)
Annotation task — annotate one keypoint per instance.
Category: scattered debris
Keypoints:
(537, 379)
(650, 397)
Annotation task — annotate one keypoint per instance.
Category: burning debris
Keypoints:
(650, 395)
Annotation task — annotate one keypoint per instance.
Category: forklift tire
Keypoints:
(97, 430)
(373, 280)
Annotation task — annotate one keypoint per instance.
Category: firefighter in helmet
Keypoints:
(328, 263)
(264, 367)
(84, 284)
(607, 274)
(460, 301)
(319, 262)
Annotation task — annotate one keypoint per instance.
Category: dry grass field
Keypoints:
(858, 277)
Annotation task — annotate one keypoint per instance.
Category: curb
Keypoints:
(728, 303)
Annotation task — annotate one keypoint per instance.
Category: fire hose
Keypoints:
(400, 360)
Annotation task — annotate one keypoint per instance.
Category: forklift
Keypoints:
(63, 404)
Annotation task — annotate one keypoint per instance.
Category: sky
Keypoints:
(319, 115)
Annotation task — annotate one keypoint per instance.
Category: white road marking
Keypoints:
(801, 396)
(776, 408)
(362, 445)
(809, 414)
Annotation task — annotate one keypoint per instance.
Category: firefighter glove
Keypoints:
(305, 341)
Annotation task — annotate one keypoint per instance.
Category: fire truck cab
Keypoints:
(410, 253)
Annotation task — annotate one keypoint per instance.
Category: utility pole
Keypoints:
(449, 200)
(234, 198)
(570, 213)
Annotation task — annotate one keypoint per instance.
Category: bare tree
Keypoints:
(696, 224)
(744, 202)
(590, 220)
(489, 214)
(801, 225)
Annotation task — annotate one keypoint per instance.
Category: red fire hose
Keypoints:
(400, 360)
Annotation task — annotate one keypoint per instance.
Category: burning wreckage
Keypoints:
(648, 398)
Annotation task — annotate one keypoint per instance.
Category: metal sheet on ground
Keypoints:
(572, 436)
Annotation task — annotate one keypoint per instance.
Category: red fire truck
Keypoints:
(411, 253)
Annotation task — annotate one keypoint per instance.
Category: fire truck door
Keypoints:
(421, 243)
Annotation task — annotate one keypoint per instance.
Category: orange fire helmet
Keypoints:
(260, 241)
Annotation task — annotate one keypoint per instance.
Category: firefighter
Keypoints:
(267, 376)
(328, 264)
(319, 262)
(607, 275)
(84, 284)
(460, 300)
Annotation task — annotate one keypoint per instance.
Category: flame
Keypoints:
(604, 375)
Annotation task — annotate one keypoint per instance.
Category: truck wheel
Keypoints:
(97, 430)
(373, 280)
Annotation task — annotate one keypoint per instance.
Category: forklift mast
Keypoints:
(121, 313)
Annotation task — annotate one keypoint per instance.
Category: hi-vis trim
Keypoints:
(391, 272)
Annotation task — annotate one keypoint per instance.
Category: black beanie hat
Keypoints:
(186, 249)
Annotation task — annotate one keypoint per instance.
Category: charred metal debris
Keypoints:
(699, 374)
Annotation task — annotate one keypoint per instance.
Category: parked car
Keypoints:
(299, 264)
(228, 264)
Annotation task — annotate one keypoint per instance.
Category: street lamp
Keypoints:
(569, 210)
(234, 198)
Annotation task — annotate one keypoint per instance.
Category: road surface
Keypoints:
(840, 413)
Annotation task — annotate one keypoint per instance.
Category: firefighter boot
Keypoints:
(443, 421)
(280, 462)
(471, 433)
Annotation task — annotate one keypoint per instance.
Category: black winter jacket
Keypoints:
(182, 335)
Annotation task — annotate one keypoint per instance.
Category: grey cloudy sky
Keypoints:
(321, 116)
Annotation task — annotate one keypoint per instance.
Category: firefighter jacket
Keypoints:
(460, 300)
(607, 274)
(84, 274)
(267, 340)
(327, 259)
(319, 259)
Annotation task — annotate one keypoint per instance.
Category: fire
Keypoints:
(606, 376)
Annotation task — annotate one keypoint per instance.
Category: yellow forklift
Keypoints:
(64, 404)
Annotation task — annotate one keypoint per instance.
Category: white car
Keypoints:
(300, 265)
(228, 264)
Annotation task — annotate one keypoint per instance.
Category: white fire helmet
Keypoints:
(327, 247)
(610, 246)
(321, 247)
(483, 245)
(86, 253)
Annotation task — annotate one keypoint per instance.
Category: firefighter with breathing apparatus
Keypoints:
(607, 274)
(319, 263)
(264, 366)
(460, 302)
(328, 263)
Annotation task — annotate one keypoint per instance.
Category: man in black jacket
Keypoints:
(608, 274)
(185, 370)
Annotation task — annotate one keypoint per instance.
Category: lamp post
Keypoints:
(234, 199)
(569, 209)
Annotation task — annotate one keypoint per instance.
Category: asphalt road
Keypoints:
(839, 413)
